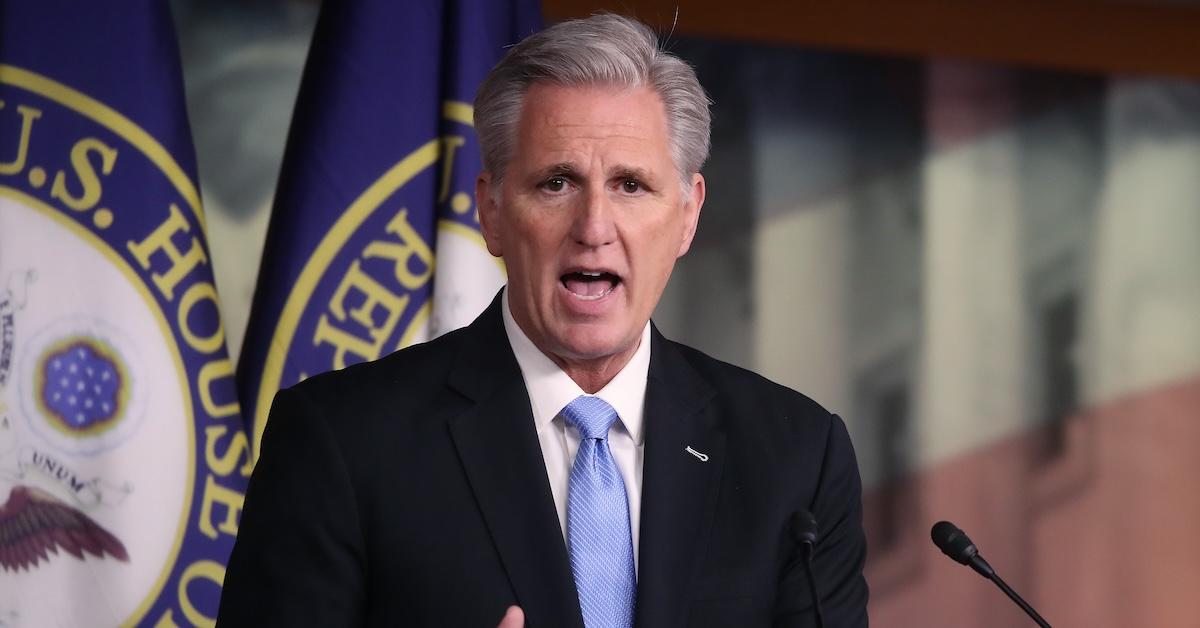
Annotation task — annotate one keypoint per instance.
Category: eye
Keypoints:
(631, 186)
(554, 184)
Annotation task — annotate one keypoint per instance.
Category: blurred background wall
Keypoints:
(972, 231)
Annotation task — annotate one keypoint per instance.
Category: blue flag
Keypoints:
(122, 455)
(377, 183)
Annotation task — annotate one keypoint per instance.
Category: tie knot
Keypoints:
(592, 416)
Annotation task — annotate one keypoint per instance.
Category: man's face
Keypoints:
(590, 218)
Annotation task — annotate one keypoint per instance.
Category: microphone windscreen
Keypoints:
(804, 527)
(953, 542)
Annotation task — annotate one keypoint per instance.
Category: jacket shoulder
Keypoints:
(413, 368)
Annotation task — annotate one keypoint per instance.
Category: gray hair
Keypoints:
(604, 49)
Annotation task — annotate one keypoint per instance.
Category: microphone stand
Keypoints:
(804, 529)
(994, 577)
(807, 550)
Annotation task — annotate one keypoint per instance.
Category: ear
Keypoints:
(691, 212)
(489, 212)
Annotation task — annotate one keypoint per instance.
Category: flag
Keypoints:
(377, 181)
(123, 460)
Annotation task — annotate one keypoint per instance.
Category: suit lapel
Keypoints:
(679, 489)
(499, 449)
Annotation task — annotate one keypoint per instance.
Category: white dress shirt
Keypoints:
(551, 389)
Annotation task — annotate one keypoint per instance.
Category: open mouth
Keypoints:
(590, 285)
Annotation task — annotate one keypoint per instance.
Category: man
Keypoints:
(558, 461)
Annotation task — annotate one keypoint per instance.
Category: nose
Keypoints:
(594, 224)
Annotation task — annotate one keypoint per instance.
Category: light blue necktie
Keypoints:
(598, 521)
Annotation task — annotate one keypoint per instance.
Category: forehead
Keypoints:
(561, 118)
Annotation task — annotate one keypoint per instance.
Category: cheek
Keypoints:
(664, 243)
(545, 233)
(531, 249)
(654, 263)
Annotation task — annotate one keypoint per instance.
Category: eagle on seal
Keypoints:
(34, 522)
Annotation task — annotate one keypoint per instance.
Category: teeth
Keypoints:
(590, 285)
(593, 297)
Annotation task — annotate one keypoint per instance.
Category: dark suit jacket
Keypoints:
(411, 491)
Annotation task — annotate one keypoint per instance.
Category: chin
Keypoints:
(581, 343)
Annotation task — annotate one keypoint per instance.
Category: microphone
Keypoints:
(804, 531)
(957, 545)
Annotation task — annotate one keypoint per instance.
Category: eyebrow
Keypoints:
(569, 170)
(637, 174)
(562, 169)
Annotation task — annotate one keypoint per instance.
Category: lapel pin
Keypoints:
(701, 456)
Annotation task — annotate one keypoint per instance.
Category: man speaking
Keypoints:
(559, 454)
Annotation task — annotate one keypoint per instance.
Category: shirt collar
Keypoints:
(551, 389)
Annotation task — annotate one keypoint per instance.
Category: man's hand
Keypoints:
(514, 617)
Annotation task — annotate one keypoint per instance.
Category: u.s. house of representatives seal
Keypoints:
(122, 460)
(368, 288)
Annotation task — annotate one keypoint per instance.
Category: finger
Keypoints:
(514, 617)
